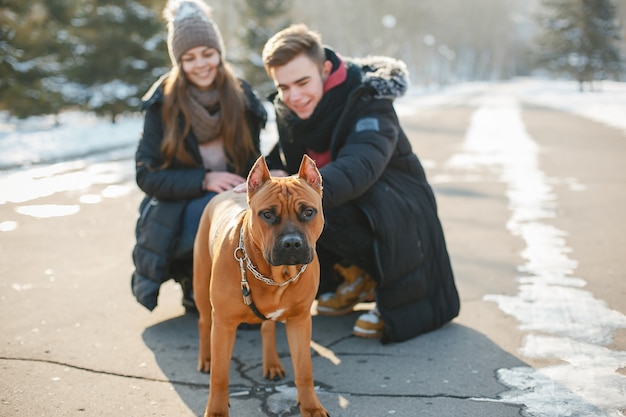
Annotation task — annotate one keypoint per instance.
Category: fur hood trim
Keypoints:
(388, 77)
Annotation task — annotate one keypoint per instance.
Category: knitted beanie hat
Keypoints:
(189, 24)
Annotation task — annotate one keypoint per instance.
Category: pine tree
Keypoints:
(32, 49)
(261, 19)
(580, 38)
(119, 49)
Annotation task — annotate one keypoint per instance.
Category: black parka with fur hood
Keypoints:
(373, 167)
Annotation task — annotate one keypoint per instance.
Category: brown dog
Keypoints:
(255, 261)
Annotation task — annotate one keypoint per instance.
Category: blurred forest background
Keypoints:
(102, 55)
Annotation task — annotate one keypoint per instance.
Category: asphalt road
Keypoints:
(542, 285)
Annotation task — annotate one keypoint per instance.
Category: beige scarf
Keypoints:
(204, 108)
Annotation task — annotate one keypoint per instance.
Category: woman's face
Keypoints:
(200, 65)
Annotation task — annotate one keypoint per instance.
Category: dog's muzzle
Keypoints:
(291, 249)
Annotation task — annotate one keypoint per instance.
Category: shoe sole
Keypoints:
(322, 311)
(365, 334)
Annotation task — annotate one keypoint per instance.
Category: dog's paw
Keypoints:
(273, 372)
(204, 365)
(211, 414)
(318, 411)
(217, 411)
(311, 406)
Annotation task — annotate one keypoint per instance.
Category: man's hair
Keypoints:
(289, 43)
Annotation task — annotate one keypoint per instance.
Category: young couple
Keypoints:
(382, 239)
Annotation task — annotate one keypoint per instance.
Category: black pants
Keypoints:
(347, 239)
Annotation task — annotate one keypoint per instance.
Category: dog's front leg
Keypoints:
(222, 342)
(204, 333)
(202, 292)
(272, 368)
(299, 339)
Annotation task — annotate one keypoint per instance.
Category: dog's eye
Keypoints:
(267, 215)
(308, 212)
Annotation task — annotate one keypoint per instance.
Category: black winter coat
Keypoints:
(168, 191)
(373, 167)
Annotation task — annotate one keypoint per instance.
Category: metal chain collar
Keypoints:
(256, 273)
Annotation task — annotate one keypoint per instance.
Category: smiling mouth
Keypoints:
(301, 108)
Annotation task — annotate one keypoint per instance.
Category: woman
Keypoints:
(382, 234)
(200, 137)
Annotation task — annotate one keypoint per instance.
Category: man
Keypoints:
(382, 235)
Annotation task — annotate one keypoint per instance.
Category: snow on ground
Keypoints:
(38, 140)
(608, 105)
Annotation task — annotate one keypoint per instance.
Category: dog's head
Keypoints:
(286, 212)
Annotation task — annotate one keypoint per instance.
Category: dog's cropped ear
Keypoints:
(308, 172)
(258, 175)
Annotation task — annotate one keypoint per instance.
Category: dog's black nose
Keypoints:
(291, 248)
(291, 242)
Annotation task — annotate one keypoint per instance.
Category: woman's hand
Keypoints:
(221, 181)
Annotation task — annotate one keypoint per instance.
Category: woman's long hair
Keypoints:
(238, 145)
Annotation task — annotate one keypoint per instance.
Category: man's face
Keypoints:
(300, 84)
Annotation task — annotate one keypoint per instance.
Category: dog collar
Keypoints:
(245, 286)
(254, 271)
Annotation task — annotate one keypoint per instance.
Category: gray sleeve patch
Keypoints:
(367, 123)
